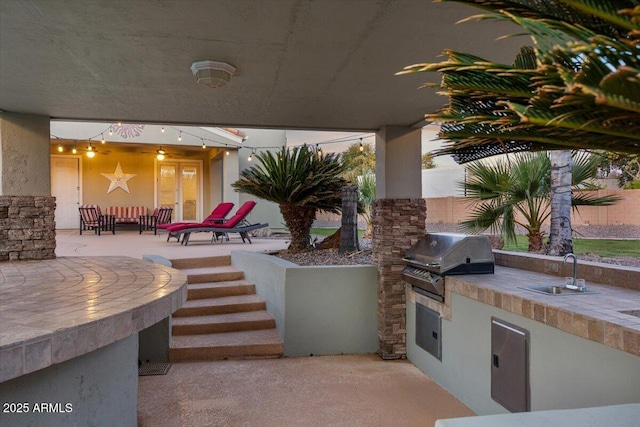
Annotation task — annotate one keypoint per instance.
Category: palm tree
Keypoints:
(507, 194)
(302, 182)
(560, 242)
(578, 89)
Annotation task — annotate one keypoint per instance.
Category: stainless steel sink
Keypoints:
(631, 312)
(557, 290)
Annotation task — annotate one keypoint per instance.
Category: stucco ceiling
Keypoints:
(301, 64)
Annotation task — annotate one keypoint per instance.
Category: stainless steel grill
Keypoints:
(437, 255)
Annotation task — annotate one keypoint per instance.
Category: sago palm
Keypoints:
(301, 181)
(507, 194)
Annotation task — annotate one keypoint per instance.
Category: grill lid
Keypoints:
(443, 252)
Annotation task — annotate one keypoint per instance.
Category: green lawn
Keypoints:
(602, 247)
(324, 232)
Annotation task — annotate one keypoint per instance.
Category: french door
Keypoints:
(180, 186)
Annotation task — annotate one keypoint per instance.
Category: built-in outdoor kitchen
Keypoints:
(488, 328)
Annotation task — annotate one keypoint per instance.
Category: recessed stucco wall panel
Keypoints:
(566, 371)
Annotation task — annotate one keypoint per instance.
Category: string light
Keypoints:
(119, 123)
(180, 136)
(110, 131)
(319, 150)
(251, 155)
(103, 141)
(74, 151)
(361, 146)
(162, 130)
(60, 148)
(203, 144)
(90, 148)
(227, 152)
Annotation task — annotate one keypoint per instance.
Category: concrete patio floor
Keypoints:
(349, 390)
(360, 390)
(128, 242)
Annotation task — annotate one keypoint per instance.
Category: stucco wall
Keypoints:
(97, 389)
(566, 371)
(318, 310)
(139, 161)
(24, 155)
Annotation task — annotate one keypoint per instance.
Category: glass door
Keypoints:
(179, 186)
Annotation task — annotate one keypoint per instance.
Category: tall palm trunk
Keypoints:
(299, 220)
(560, 242)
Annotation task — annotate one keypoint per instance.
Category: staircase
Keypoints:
(223, 318)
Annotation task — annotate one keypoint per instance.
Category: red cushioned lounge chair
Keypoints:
(216, 216)
(236, 224)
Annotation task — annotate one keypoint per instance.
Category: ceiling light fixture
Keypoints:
(213, 74)
(160, 156)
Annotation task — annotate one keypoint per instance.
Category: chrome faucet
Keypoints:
(575, 271)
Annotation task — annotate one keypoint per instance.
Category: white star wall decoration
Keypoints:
(118, 179)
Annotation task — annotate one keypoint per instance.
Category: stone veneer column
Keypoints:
(27, 228)
(397, 225)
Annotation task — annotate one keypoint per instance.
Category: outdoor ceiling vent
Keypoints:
(213, 74)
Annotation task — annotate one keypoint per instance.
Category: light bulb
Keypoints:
(161, 151)
(361, 146)
(160, 156)
(180, 136)
(110, 132)
(74, 151)
(119, 123)
(103, 141)
(60, 149)
(90, 148)
(249, 159)
(162, 130)
(227, 152)
(204, 145)
(91, 154)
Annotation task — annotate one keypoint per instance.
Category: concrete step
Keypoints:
(222, 305)
(232, 345)
(220, 323)
(220, 289)
(213, 274)
(211, 261)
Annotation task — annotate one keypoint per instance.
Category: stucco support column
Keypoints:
(27, 210)
(25, 162)
(399, 216)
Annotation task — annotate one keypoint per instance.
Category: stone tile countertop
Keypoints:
(55, 310)
(598, 317)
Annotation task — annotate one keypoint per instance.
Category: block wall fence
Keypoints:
(453, 210)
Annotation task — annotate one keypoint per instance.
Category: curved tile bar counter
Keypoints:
(56, 310)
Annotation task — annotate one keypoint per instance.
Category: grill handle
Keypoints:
(422, 264)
